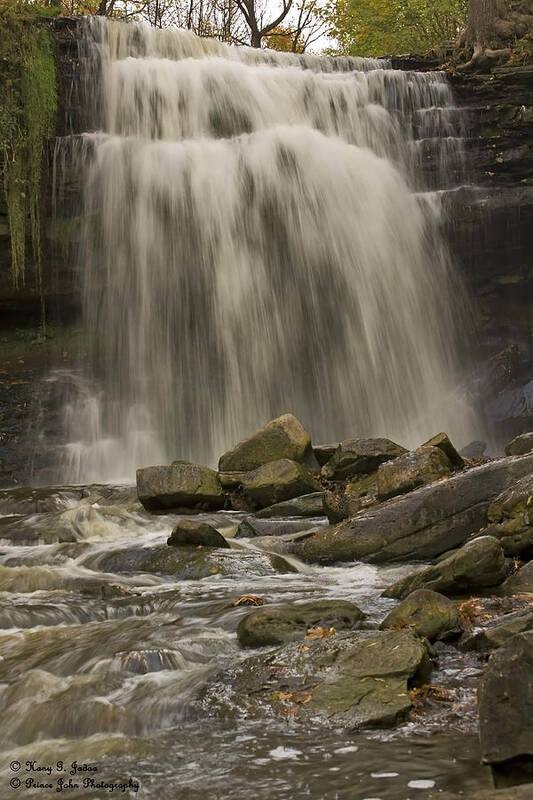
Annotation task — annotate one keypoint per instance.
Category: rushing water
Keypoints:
(257, 237)
(102, 666)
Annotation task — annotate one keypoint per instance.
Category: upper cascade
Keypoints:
(257, 239)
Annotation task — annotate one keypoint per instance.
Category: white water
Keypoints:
(256, 239)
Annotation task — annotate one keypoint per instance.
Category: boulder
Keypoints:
(189, 533)
(308, 505)
(478, 564)
(274, 625)
(346, 501)
(520, 445)
(520, 582)
(412, 470)
(345, 680)
(511, 515)
(277, 481)
(359, 456)
(499, 632)
(230, 480)
(179, 485)
(442, 441)
(474, 450)
(426, 613)
(505, 699)
(420, 525)
(281, 438)
(192, 563)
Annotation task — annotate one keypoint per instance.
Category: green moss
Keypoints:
(28, 102)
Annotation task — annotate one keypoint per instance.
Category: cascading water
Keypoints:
(256, 238)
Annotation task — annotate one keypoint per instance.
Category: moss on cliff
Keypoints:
(28, 102)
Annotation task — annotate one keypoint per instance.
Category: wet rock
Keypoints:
(196, 534)
(181, 484)
(280, 624)
(520, 582)
(230, 480)
(412, 470)
(478, 564)
(308, 505)
(511, 515)
(420, 525)
(520, 445)
(278, 481)
(323, 452)
(426, 613)
(505, 698)
(281, 438)
(246, 530)
(524, 792)
(498, 633)
(346, 501)
(141, 662)
(346, 680)
(193, 563)
(442, 441)
(25, 500)
(359, 456)
(473, 450)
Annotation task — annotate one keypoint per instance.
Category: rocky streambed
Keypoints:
(348, 621)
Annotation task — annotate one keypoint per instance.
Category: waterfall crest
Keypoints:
(257, 239)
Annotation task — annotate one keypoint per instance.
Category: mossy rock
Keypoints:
(411, 471)
(360, 456)
(196, 534)
(273, 625)
(346, 680)
(520, 582)
(427, 613)
(511, 518)
(278, 481)
(282, 438)
(181, 484)
(478, 564)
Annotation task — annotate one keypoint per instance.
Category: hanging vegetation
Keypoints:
(28, 102)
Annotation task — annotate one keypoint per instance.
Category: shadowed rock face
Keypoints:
(345, 680)
(478, 564)
(421, 525)
(191, 533)
(181, 484)
(520, 582)
(506, 710)
(511, 515)
(520, 445)
(360, 456)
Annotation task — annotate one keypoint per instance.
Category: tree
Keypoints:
(304, 26)
(253, 12)
(381, 27)
(492, 28)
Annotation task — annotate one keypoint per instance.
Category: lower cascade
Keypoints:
(258, 235)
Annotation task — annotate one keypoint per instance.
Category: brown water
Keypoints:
(110, 677)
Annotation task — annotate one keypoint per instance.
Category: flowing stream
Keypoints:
(101, 664)
(259, 233)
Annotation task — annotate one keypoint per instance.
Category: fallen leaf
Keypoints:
(249, 600)
(319, 633)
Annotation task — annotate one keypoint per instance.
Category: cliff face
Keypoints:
(491, 232)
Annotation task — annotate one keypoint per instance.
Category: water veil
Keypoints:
(259, 235)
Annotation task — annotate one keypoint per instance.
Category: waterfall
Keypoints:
(257, 236)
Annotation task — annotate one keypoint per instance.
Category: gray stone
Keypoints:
(359, 456)
(426, 613)
(478, 564)
(281, 438)
(505, 699)
(412, 470)
(499, 632)
(179, 485)
(247, 530)
(520, 445)
(473, 450)
(511, 515)
(521, 582)
(307, 505)
(420, 525)
(189, 533)
(273, 625)
(277, 481)
(192, 563)
(346, 680)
